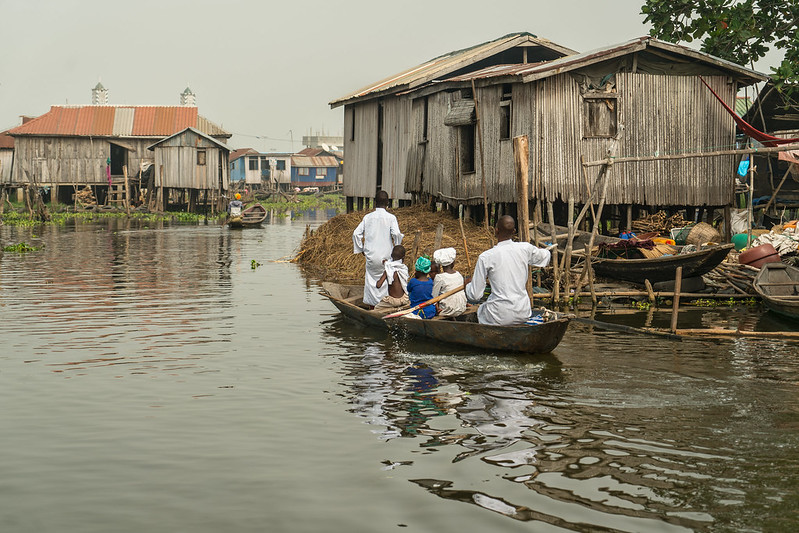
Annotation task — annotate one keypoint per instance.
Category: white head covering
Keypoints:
(444, 256)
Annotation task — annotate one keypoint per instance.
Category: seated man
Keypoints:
(234, 207)
(506, 267)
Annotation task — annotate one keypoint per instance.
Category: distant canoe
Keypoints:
(464, 330)
(778, 285)
(250, 217)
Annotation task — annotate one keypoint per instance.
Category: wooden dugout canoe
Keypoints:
(250, 217)
(463, 330)
(778, 285)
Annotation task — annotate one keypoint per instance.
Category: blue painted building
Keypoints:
(319, 171)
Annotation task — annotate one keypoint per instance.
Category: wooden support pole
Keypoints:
(567, 256)
(439, 236)
(554, 260)
(650, 291)
(416, 241)
(521, 158)
(465, 245)
(590, 278)
(126, 190)
(777, 190)
(675, 309)
(482, 159)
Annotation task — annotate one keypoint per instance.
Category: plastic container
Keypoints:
(679, 234)
(740, 240)
(759, 256)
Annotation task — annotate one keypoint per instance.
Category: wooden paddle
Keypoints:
(428, 302)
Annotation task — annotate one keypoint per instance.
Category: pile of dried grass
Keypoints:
(328, 250)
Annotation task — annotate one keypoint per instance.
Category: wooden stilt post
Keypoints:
(127, 189)
(521, 158)
(554, 261)
(482, 159)
(675, 309)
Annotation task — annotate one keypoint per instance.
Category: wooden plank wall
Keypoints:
(360, 159)
(70, 160)
(181, 171)
(397, 141)
(6, 160)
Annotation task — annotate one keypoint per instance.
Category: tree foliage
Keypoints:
(741, 31)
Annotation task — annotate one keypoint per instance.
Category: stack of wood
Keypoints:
(86, 197)
(659, 222)
(733, 276)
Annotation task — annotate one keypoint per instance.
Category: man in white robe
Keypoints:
(375, 237)
(506, 267)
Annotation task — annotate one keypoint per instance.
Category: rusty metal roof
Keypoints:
(6, 140)
(319, 161)
(448, 63)
(532, 72)
(118, 121)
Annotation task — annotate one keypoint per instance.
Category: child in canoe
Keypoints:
(395, 271)
(447, 279)
(420, 289)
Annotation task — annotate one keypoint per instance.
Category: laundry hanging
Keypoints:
(748, 129)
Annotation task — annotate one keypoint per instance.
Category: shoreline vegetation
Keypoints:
(16, 214)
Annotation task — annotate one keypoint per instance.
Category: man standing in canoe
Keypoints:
(506, 267)
(375, 237)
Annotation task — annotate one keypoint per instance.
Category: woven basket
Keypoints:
(702, 233)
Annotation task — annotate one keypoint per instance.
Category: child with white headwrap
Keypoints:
(447, 279)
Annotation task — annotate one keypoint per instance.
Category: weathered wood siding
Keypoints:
(6, 160)
(360, 149)
(176, 163)
(70, 160)
(659, 114)
(397, 141)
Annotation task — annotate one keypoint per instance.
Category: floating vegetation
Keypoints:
(254, 264)
(22, 247)
(61, 218)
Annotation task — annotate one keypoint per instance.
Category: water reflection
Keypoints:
(650, 449)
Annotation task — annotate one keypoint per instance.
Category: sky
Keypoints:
(263, 70)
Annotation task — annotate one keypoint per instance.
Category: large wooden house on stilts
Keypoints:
(448, 136)
(71, 147)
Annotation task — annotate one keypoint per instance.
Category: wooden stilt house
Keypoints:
(380, 135)
(189, 162)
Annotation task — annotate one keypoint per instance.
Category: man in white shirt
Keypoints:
(506, 267)
(375, 237)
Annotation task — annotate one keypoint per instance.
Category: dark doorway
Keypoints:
(119, 158)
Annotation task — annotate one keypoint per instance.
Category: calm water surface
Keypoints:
(152, 380)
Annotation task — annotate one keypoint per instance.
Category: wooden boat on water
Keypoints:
(249, 217)
(778, 285)
(638, 269)
(463, 330)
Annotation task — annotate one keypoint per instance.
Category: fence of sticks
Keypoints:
(327, 251)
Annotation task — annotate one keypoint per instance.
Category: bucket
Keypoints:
(759, 256)
(701, 233)
(679, 234)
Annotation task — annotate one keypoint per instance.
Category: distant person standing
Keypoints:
(506, 267)
(375, 237)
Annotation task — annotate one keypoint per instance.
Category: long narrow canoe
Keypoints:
(778, 285)
(250, 217)
(463, 330)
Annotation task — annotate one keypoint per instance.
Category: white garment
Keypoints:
(444, 256)
(453, 305)
(375, 237)
(401, 269)
(506, 267)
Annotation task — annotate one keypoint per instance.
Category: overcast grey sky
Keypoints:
(265, 71)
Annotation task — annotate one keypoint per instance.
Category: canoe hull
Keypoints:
(778, 286)
(662, 268)
(251, 217)
(539, 338)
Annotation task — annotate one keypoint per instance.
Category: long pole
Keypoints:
(521, 155)
(482, 165)
(742, 151)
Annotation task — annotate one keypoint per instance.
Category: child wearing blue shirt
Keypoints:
(420, 288)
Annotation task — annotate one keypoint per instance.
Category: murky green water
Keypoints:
(151, 380)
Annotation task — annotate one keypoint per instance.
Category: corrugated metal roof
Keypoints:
(449, 63)
(194, 131)
(320, 161)
(118, 121)
(528, 73)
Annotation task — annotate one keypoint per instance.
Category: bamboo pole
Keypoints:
(567, 256)
(482, 164)
(675, 309)
(777, 190)
(554, 260)
(750, 208)
(127, 189)
(465, 245)
(743, 151)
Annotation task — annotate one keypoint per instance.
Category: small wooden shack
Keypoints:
(190, 161)
(453, 135)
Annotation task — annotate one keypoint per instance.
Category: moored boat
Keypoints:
(778, 286)
(464, 330)
(249, 217)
